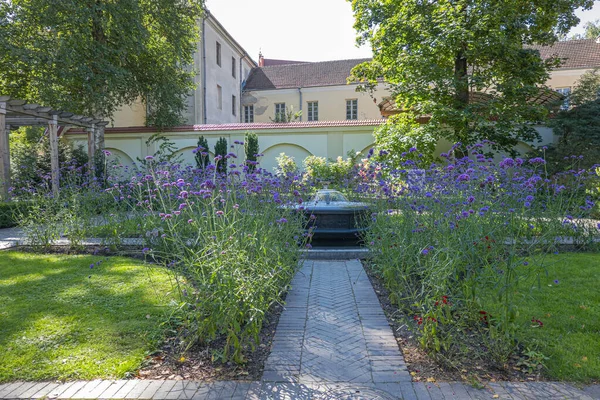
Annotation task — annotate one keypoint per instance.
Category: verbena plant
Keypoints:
(456, 242)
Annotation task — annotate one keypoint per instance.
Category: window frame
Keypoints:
(279, 106)
(233, 67)
(312, 108)
(565, 91)
(351, 109)
(249, 114)
(219, 97)
(233, 105)
(218, 50)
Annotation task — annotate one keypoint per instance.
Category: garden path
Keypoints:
(332, 342)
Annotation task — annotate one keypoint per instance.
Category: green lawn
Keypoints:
(61, 319)
(570, 312)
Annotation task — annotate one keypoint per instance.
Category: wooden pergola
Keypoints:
(15, 113)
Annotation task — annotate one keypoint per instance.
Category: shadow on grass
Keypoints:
(63, 319)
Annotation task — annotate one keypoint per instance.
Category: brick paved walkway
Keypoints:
(332, 342)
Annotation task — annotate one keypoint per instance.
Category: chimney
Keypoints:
(261, 59)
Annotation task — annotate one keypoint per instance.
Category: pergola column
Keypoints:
(91, 139)
(53, 135)
(4, 154)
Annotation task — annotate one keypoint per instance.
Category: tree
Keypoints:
(578, 128)
(92, 56)
(251, 149)
(591, 31)
(220, 155)
(202, 153)
(466, 64)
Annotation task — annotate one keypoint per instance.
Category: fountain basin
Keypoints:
(332, 216)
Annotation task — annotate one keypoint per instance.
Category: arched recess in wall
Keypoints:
(188, 157)
(119, 157)
(268, 161)
(119, 163)
(365, 151)
(523, 148)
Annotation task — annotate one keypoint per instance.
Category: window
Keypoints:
(566, 92)
(233, 104)
(249, 114)
(219, 97)
(233, 66)
(352, 109)
(279, 110)
(313, 110)
(218, 54)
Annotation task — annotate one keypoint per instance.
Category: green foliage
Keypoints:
(402, 134)
(251, 149)
(286, 165)
(11, 212)
(166, 151)
(221, 152)
(334, 174)
(80, 322)
(30, 155)
(202, 153)
(288, 116)
(591, 31)
(90, 57)
(435, 55)
(578, 128)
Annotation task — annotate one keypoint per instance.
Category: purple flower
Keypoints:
(425, 252)
(107, 153)
(220, 212)
(470, 199)
(556, 281)
(537, 161)
(145, 250)
(91, 266)
(149, 158)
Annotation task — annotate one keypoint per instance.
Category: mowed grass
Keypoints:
(61, 319)
(568, 304)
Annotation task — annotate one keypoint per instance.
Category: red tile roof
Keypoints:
(271, 61)
(325, 73)
(575, 54)
(243, 127)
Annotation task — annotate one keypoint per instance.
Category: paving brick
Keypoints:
(125, 389)
(176, 390)
(7, 389)
(460, 391)
(57, 391)
(72, 389)
(95, 391)
(151, 389)
(112, 390)
(27, 391)
(421, 391)
(137, 389)
(434, 391)
(45, 390)
(164, 389)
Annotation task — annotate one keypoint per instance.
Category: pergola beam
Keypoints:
(4, 154)
(17, 112)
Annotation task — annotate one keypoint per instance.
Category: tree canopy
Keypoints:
(467, 64)
(92, 56)
(578, 128)
(591, 30)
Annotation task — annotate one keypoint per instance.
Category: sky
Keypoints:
(306, 30)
